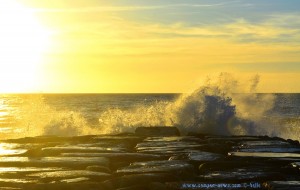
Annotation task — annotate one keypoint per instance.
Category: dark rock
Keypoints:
(231, 164)
(198, 156)
(157, 186)
(204, 156)
(179, 168)
(151, 159)
(115, 157)
(143, 179)
(241, 175)
(296, 165)
(78, 149)
(292, 142)
(169, 146)
(157, 131)
(286, 160)
(70, 174)
(73, 162)
(108, 185)
(173, 138)
(222, 148)
(97, 168)
(270, 145)
(64, 186)
(118, 160)
(125, 137)
(245, 144)
(236, 139)
(264, 155)
(122, 141)
(275, 149)
(34, 152)
(134, 187)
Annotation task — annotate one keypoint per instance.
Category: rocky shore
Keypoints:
(153, 158)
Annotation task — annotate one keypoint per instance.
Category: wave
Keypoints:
(214, 108)
(223, 105)
(34, 117)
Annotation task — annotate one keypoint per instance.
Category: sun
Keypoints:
(23, 42)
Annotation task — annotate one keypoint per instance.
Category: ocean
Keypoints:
(198, 112)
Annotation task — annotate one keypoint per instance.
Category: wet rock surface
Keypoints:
(150, 159)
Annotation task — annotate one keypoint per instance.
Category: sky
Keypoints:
(139, 46)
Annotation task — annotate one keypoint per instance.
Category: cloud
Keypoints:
(96, 9)
(128, 8)
(238, 41)
(266, 31)
(287, 20)
(242, 31)
(206, 5)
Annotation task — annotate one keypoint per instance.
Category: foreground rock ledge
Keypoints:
(152, 158)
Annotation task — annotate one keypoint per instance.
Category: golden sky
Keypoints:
(146, 46)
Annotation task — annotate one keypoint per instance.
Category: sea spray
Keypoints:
(206, 110)
(115, 120)
(36, 118)
(221, 106)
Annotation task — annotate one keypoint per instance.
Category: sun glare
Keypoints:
(23, 41)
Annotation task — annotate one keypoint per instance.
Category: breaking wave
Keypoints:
(33, 117)
(214, 108)
(223, 105)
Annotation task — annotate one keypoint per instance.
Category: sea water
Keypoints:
(210, 109)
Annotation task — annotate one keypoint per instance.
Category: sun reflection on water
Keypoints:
(12, 122)
(7, 149)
